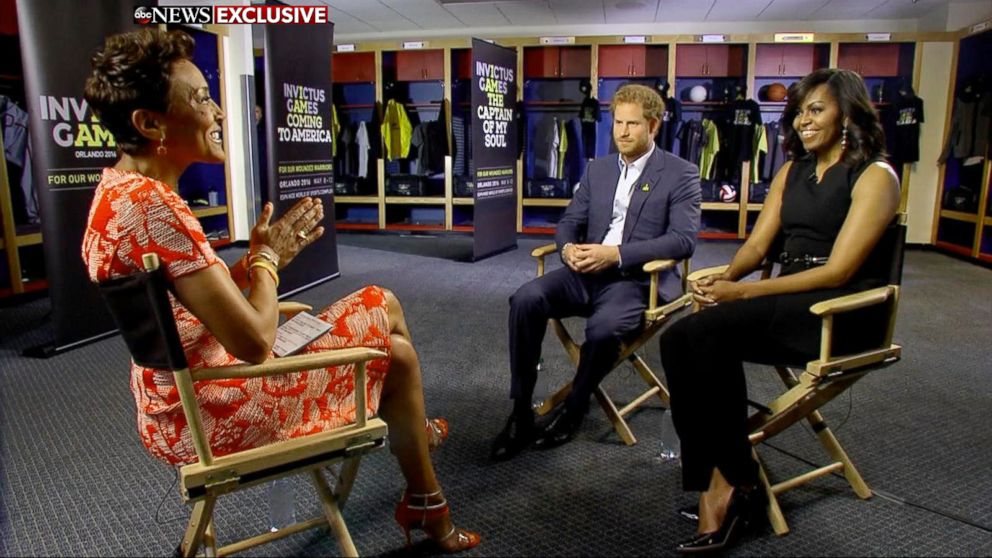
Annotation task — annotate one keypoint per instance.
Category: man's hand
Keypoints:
(591, 258)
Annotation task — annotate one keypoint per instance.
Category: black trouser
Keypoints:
(614, 307)
(703, 356)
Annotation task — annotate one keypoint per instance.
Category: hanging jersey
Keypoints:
(710, 149)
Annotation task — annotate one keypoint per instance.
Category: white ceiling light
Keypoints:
(630, 5)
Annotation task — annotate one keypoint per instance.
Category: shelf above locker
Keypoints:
(462, 201)
(545, 202)
(25, 240)
(31, 239)
(210, 211)
(720, 206)
(356, 199)
(399, 200)
(755, 206)
(959, 216)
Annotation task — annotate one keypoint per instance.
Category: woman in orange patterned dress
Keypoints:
(155, 101)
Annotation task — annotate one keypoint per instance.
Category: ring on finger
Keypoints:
(301, 234)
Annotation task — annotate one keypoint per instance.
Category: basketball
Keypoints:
(775, 92)
(697, 94)
(728, 193)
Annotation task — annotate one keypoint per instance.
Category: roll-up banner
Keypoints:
(298, 96)
(70, 148)
(494, 148)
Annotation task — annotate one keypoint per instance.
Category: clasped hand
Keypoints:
(292, 232)
(590, 258)
(714, 289)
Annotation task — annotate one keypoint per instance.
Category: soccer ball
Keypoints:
(728, 193)
(697, 94)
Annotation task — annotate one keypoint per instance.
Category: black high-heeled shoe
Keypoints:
(745, 514)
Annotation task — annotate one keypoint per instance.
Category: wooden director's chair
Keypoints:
(654, 318)
(140, 306)
(826, 378)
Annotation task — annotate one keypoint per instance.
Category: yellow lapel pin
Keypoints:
(645, 187)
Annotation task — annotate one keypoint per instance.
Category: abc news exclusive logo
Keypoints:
(230, 15)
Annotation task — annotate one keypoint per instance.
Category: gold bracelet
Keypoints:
(267, 266)
(255, 260)
(272, 258)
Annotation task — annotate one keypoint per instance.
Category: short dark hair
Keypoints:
(132, 71)
(865, 138)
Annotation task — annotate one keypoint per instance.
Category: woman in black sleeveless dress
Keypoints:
(830, 204)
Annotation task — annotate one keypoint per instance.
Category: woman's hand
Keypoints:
(718, 290)
(292, 232)
(697, 286)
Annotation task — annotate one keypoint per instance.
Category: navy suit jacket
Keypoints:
(662, 218)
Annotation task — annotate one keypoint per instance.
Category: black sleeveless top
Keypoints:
(812, 215)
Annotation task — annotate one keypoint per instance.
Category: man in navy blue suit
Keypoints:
(630, 208)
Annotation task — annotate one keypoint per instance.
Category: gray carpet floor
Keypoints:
(75, 480)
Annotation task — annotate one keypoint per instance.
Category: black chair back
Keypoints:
(895, 239)
(885, 261)
(140, 306)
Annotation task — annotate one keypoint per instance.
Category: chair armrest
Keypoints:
(656, 266)
(851, 302)
(187, 394)
(654, 269)
(542, 251)
(706, 272)
(295, 363)
(291, 308)
(839, 305)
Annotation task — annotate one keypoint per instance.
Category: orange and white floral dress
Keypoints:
(132, 215)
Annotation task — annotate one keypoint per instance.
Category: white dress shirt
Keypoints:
(629, 175)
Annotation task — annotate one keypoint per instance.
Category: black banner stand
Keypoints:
(298, 133)
(494, 148)
(69, 150)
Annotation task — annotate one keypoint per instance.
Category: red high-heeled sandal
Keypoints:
(437, 433)
(418, 511)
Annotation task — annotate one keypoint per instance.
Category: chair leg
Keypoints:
(837, 453)
(775, 515)
(619, 424)
(203, 511)
(346, 479)
(554, 400)
(788, 377)
(210, 540)
(829, 441)
(650, 378)
(333, 515)
(572, 349)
